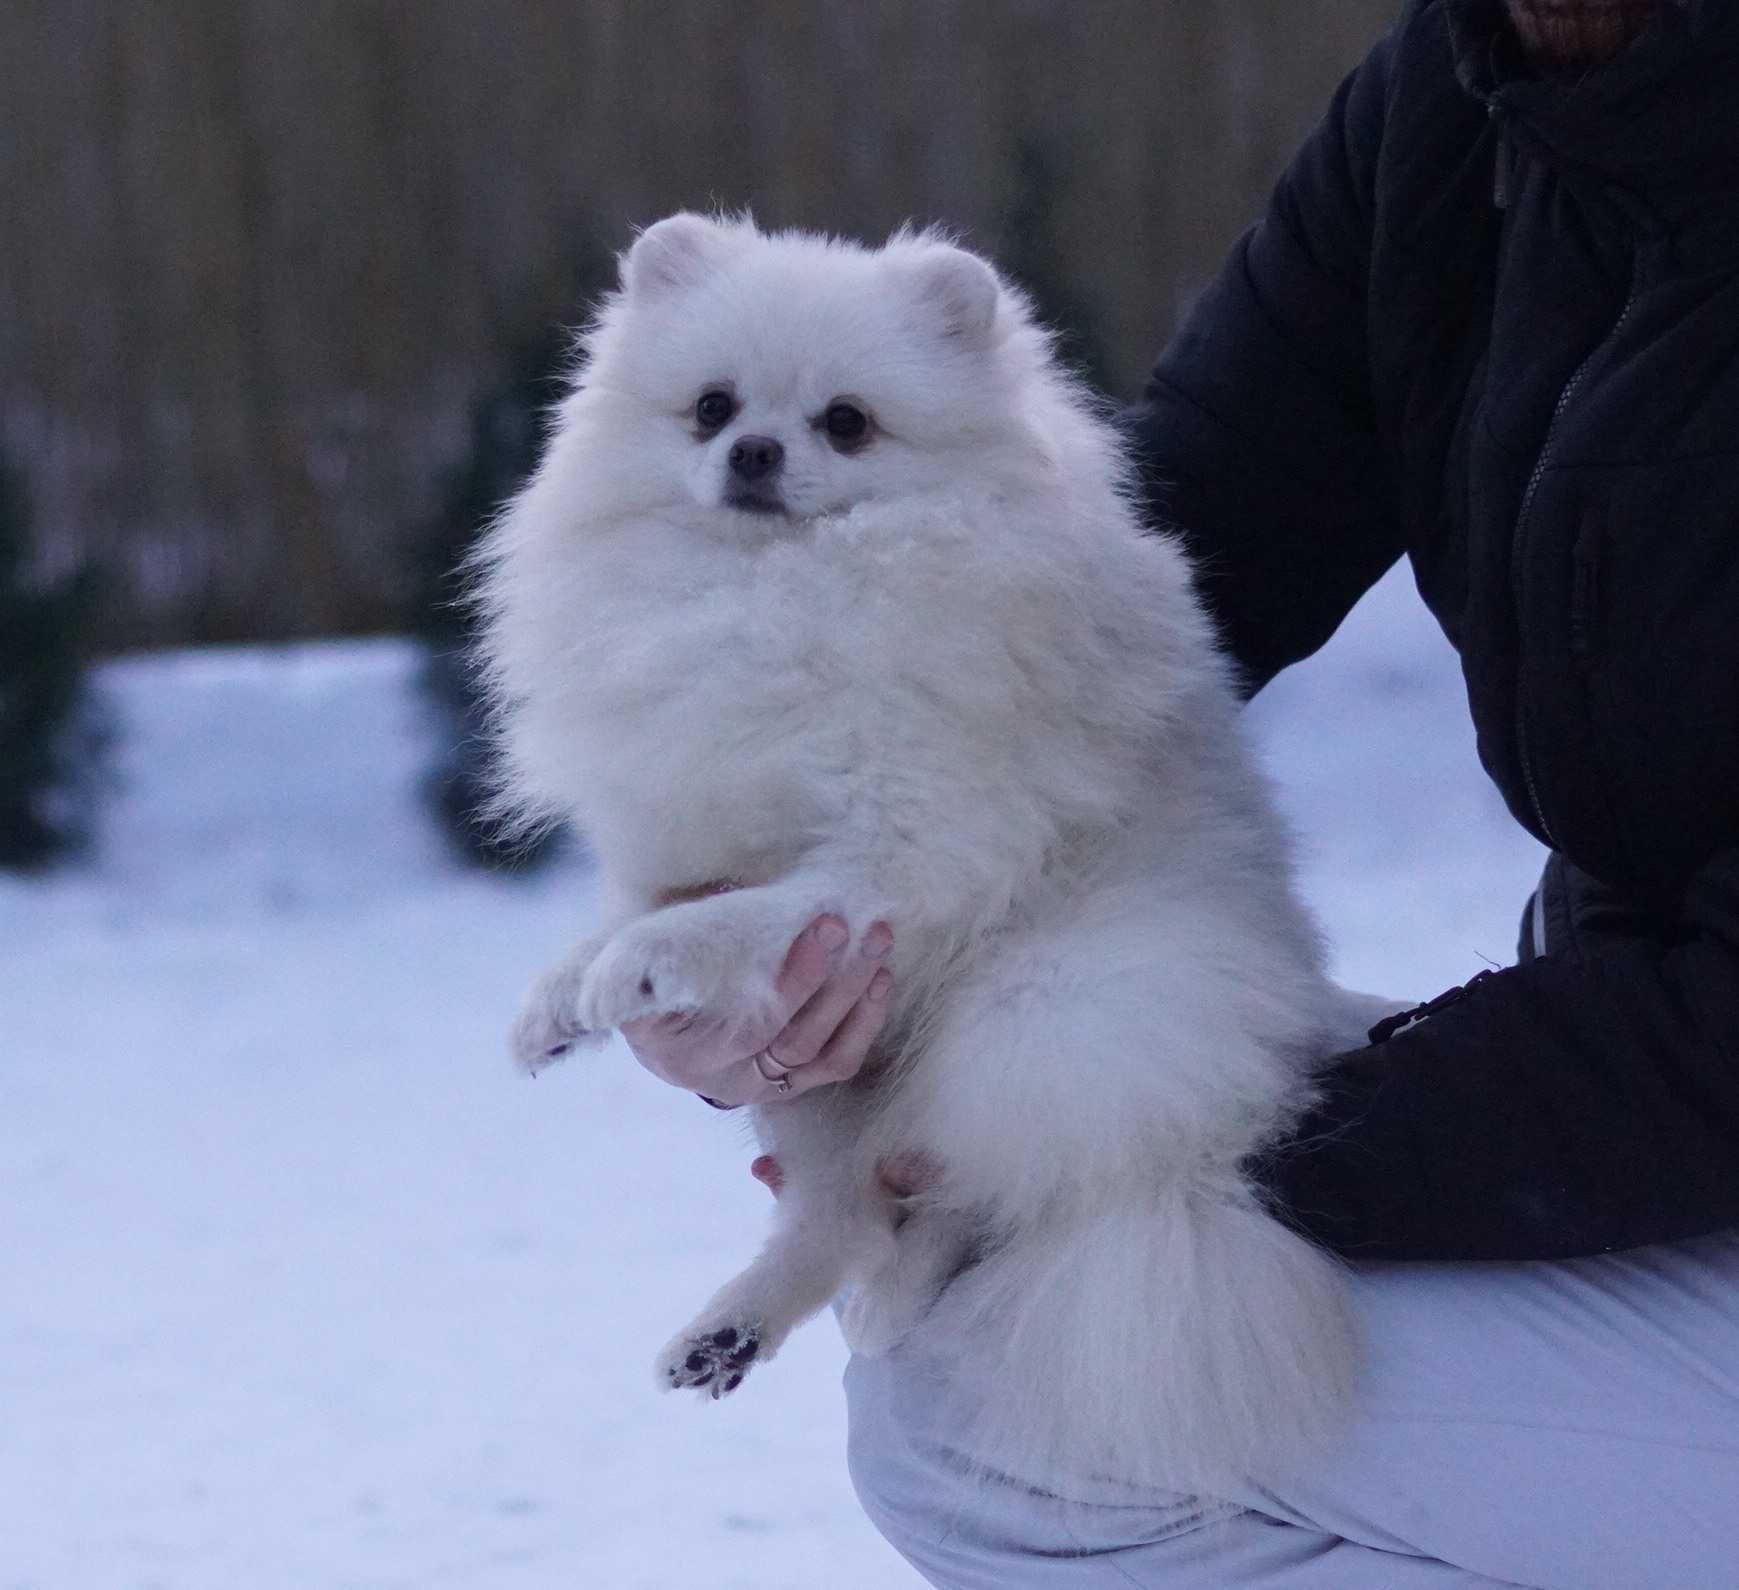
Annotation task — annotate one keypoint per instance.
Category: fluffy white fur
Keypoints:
(953, 685)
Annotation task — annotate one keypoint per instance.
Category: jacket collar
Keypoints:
(1655, 133)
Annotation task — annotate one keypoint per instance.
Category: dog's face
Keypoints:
(778, 378)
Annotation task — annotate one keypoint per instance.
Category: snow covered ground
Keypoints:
(301, 1288)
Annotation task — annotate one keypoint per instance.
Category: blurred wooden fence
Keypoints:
(259, 254)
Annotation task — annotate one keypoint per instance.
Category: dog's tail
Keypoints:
(1173, 1340)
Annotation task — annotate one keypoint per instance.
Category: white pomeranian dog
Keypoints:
(830, 587)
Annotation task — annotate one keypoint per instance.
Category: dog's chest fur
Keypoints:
(717, 707)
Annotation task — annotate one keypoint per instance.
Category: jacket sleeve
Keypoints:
(1255, 438)
(1560, 1108)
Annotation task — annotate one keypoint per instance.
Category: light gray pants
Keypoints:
(1559, 1426)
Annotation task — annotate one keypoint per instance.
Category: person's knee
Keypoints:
(961, 1525)
(958, 1526)
(881, 1456)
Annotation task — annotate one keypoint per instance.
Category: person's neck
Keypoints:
(1578, 35)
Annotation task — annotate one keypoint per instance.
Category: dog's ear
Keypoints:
(676, 252)
(959, 290)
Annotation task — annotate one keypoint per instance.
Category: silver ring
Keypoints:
(779, 1076)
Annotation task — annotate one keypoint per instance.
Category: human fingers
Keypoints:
(807, 1033)
(765, 1076)
(705, 1052)
(844, 1053)
(811, 960)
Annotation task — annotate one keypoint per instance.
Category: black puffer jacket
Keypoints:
(1493, 324)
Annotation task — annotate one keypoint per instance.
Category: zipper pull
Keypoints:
(1401, 1020)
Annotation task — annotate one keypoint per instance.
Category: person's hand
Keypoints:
(831, 1006)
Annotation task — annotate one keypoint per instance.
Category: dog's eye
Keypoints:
(846, 425)
(714, 409)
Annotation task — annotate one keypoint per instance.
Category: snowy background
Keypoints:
(301, 1287)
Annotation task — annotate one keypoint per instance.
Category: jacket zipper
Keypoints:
(1518, 545)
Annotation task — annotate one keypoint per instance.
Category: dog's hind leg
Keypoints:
(826, 1232)
(930, 1247)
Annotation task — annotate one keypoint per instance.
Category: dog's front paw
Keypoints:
(639, 973)
(665, 964)
(549, 1028)
(543, 1035)
(712, 1361)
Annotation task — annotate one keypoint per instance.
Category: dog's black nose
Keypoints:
(754, 458)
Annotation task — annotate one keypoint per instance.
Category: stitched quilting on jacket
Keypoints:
(1491, 324)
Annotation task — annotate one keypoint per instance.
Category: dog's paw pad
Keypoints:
(714, 1362)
